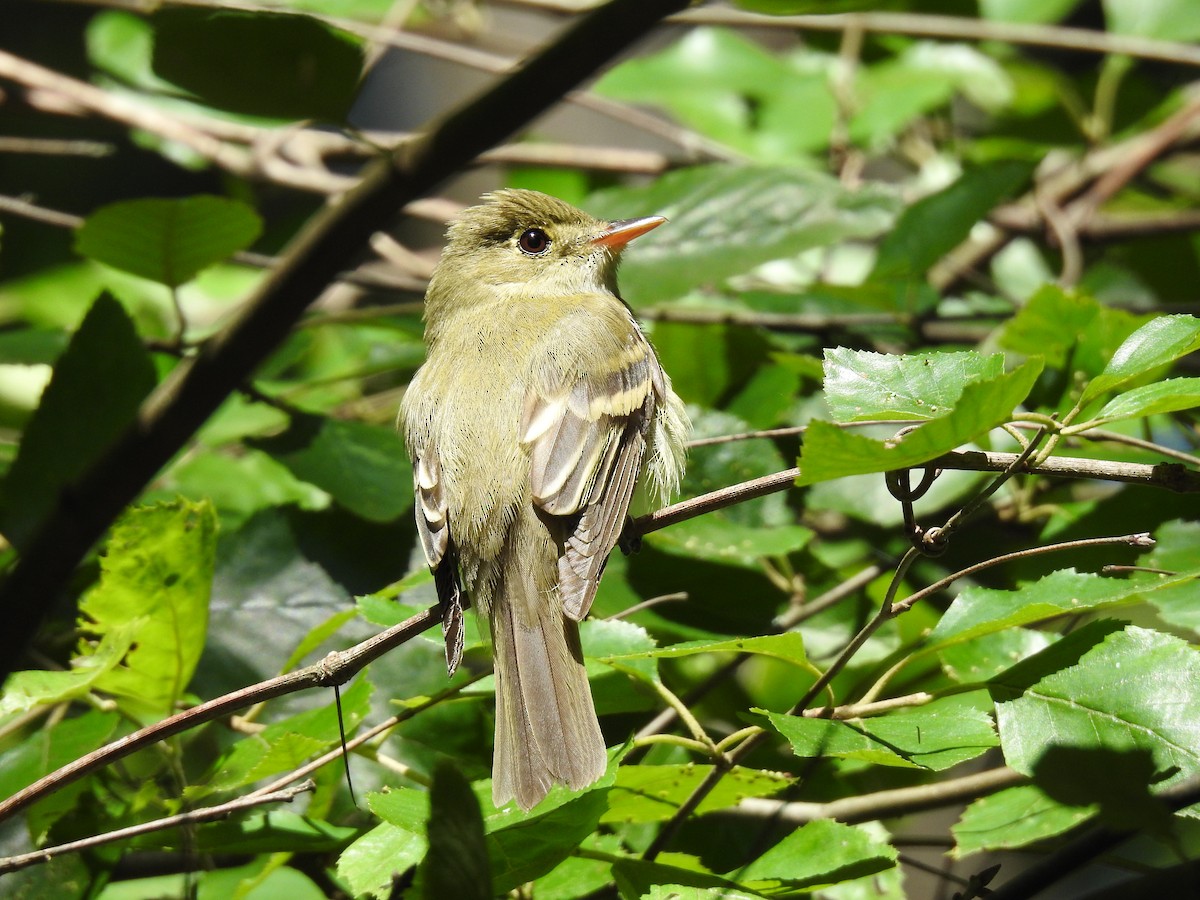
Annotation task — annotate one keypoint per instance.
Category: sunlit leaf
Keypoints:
(1172, 395)
(168, 241)
(1134, 689)
(831, 452)
(725, 220)
(1160, 341)
(863, 385)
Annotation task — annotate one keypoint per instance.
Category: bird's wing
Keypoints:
(434, 530)
(586, 442)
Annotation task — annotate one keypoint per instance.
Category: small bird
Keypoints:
(539, 409)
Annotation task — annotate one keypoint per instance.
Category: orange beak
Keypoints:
(621, 232)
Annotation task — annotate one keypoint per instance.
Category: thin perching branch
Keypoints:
(192, 817)
(336, 668)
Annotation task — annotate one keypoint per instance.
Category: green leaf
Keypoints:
(726, 220)
(648, 793)
(1014, 817)
(923, 77)
(370, 864)
(612, 690)
(714, 538)
(168, 241)
(708, 80)
(288, 743)
(1049, 324)
(829, 452)
(156, 574)
(1154, 399)
(979, 610)
(1111, 696)
(24, 690)
(97, 386)
(405, 808)
(530, 849)
(935, 225)
(362, 466)
(976, 660)
(456, 864)
(46, 750)
(261, 879)
(820, 853)
(862, 385)
(299, 68)
(936, 736)
(1160, 341)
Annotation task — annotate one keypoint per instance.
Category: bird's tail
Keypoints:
(546, 728)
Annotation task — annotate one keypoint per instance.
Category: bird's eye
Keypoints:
(534, 241)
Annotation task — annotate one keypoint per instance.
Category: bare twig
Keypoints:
(1084, 40)
(885, 804)
(192, 817)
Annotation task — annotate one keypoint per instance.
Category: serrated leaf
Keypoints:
(156, 572)
(363, 467)
(98, 383)
(935, 737)
(1160, 341)
(372, 862)
(860, 384)
(1136, 689)
(648, 793)
(168, 241)
(1012, 818)
(829, 452)
(978, 611)
(1171, 395)
(725, 221)
(935, 225)
(820, 853)
(300, 68)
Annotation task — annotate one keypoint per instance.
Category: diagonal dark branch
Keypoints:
(324, 248)
(336, 668)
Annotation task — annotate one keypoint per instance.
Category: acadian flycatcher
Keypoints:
(539, 409)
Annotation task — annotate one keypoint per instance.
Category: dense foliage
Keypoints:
(947, 266)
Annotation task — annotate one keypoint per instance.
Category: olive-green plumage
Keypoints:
(539, 409)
